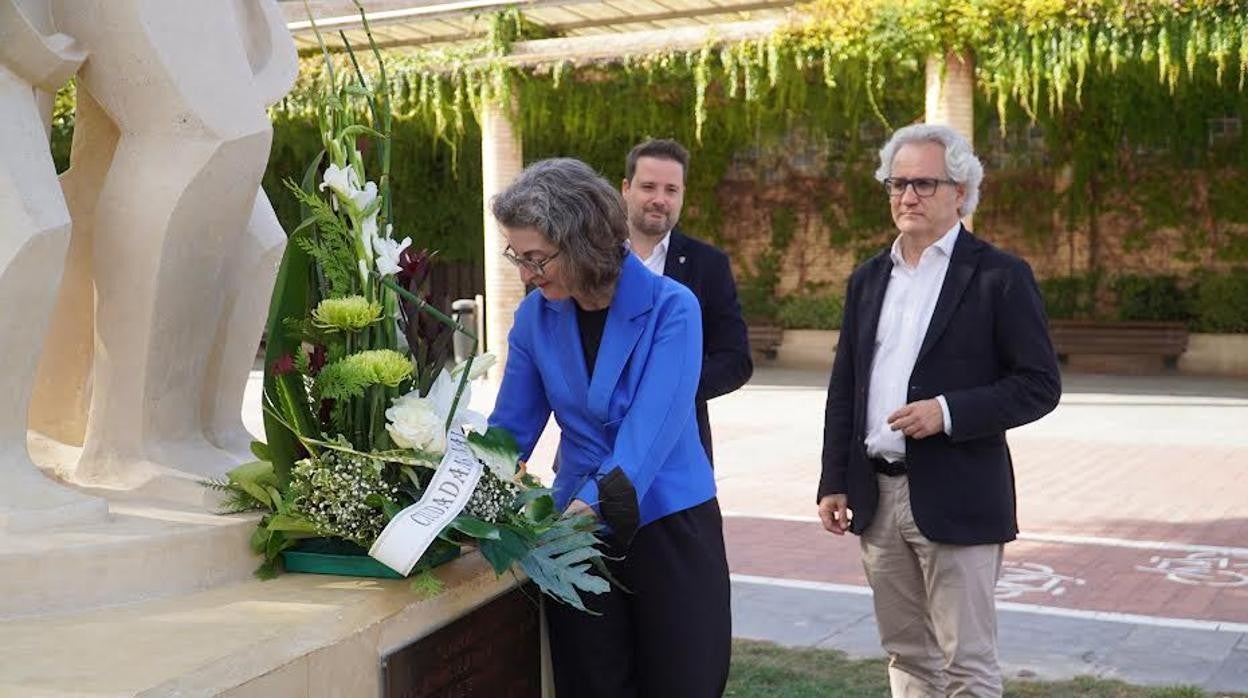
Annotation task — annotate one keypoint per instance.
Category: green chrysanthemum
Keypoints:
(349, 314)
(349, 377)
(389, 367)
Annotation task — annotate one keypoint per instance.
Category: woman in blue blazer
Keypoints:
(615, 353)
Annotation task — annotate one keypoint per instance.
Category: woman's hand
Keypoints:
(579, 508)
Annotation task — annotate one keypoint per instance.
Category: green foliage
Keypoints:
(426, 584)
(783, 227)
(560, 561)
(757, 289)
(496, 449)
(340, 495)
(1121, 95)
(1219, 302)
(1070, 297)
(1156, 298)
(766, 669)
(1211, 302)
(329, 243)
(350, 377)
(811, 309)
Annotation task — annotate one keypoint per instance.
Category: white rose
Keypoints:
(414, 422)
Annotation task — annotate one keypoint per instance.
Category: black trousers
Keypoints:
(669, 634)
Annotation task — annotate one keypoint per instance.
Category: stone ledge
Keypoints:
(1207, 354)
(142, 551)
(1216, 354)
(811, 349)
(305, 635)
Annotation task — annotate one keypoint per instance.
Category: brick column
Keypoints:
(951, 94)
(502, 159)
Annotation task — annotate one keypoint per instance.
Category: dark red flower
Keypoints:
(414, 264)
(317, 359)
(284, 364)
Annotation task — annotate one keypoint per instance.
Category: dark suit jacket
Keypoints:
(987, 350)
(726, 362)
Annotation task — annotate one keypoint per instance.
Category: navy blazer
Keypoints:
(726, 362)
(987, 350)
(636, 412)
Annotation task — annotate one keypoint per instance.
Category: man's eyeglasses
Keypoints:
(923, 186)
(537, 267)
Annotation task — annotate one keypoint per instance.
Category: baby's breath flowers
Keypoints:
(333, 493)
(492, 499)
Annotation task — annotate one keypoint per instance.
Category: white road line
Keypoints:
(1048, 537)
(1105, 616)
(801, 584)
(1128, 543)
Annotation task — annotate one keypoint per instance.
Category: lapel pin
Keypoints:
(682, 259)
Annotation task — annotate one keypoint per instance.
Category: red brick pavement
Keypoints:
(1182, 494)
(1111, 578)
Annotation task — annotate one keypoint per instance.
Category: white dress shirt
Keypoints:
(657, 261)
(908, 304)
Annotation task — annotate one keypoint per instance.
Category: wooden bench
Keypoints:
(765, 340)
(1118, 346)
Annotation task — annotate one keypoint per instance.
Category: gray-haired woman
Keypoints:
(615, 352)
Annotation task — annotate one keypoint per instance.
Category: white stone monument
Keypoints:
(179, 247)
(34, 234)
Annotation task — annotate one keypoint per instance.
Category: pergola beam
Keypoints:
(689, 13)
(401, 12)
(399, 16)
(605, 47)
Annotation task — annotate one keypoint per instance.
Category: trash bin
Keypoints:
(464, 311)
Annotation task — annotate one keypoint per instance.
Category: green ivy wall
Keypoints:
(1107, 129)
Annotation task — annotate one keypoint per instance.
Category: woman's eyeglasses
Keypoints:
(537, 267)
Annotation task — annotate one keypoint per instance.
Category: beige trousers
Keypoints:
(934, 604)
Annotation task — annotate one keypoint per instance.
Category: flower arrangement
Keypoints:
(360, 399)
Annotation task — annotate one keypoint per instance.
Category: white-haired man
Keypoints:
(944, 346)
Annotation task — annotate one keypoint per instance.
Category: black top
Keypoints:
(591, 323)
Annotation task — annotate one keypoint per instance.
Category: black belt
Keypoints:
(883, 467)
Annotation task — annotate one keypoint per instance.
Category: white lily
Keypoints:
(361, 198)
(480, 365)
(442, 393)
(388, 252)
(342, 180)
(368, 235)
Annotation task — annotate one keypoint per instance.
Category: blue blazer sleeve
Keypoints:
(663, 400)
(522, 407)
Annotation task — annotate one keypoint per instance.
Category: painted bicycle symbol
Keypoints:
(1211, 569)
(1018, 578)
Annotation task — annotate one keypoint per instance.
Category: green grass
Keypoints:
(766, 669)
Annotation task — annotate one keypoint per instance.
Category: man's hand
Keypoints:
(919, 420)
(834, 512)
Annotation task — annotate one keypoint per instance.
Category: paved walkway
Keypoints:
(1133, 502)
